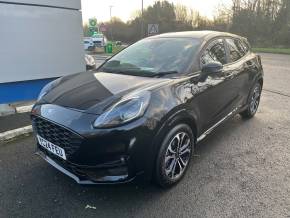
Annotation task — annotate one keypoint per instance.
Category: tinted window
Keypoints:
(245, 46)
(236, 49)
(214, 52)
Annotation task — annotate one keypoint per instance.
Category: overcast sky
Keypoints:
(125, 8)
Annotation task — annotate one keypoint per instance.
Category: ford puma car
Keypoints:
(140, 114)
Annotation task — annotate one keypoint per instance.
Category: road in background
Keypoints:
(241, 170)
(277, 72)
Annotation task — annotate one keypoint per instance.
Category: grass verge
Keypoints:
(273, 50)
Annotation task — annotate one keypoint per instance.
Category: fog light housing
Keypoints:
(114, 174)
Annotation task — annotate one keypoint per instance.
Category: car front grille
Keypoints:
(57, 135)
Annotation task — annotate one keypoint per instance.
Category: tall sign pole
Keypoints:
(111, 6)
(142, 20)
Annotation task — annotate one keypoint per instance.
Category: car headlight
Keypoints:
(126, 110)
(48, 87)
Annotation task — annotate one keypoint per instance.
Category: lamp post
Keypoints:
(111, 31)
(142, 20)
(111, 6)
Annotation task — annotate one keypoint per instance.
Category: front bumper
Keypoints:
(95, 156)
(81, 177)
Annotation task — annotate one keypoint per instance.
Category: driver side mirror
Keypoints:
(210, 69)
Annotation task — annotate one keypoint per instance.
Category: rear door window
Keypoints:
(236, 49)
(215, 51)
(245, 46)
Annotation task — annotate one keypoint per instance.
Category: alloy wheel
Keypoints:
(255, 100)
(177, 155)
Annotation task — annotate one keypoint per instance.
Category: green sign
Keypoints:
(93, 27)
(92, 30)
(93, 22)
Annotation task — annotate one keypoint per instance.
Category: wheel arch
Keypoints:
(185, 118)
(181, 116)
(261, 81)
(177, 117)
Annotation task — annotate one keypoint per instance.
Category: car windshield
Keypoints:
(155, 56)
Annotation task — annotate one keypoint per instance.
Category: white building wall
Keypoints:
(38, 42)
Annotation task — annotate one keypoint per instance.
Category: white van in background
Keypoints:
(88, 43)
(99, 40)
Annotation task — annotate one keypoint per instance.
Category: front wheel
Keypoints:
(253, 102)
(174, 155)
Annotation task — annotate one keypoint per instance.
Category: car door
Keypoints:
(237, 68)
(216, 96)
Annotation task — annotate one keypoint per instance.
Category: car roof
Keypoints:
(205, 34)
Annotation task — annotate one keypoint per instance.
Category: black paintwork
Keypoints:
(192, 97)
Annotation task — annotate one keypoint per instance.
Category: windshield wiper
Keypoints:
(130, 71)
(117, 71)
(160, 74)
(138, 72)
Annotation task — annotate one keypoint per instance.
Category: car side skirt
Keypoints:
(207, 132)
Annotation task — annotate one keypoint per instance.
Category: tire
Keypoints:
(174, 156)
(253, 102)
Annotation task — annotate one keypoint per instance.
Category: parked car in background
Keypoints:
(118, 43)
(99, 40)
(143, 111)
(88, 44)
(90, 62)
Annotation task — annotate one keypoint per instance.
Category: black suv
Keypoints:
(142, 112)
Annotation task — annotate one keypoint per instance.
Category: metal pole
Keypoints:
(110, 12)
(142, 21)
(111, 6)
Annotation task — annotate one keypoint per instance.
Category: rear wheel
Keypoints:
(253, 102)
(174, 156)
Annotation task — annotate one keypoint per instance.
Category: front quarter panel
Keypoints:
(172, 100)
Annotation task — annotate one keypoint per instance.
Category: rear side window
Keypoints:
(245, 45)
(214, 52)
(236, 49)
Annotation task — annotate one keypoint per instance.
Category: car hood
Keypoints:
(94, 92)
